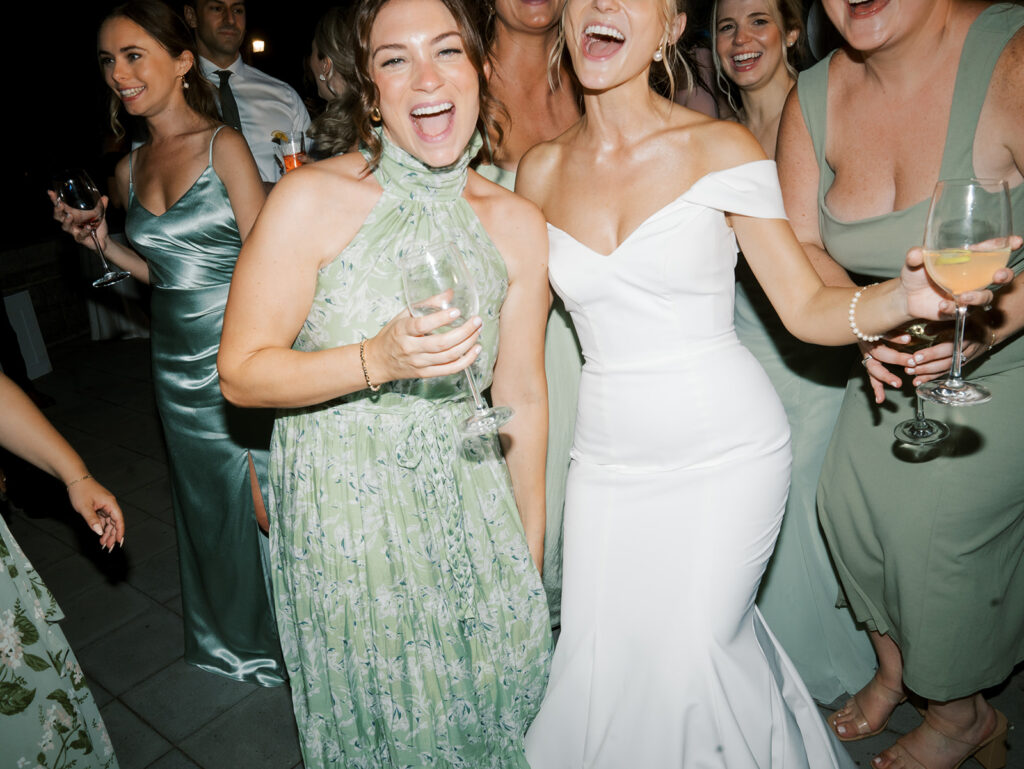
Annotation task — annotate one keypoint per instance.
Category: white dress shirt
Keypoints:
(265, 104)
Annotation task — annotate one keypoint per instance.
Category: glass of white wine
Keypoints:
(435, 279)
(966, 239)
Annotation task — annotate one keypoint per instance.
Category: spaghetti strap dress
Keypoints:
(412, 618)
(191, 250)
(929, 545)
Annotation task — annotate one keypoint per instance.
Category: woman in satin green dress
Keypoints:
(193, 193)
(405, 558)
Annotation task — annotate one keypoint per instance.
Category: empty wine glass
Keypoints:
(435, 278)
(920, 431)
(77, 191)
(967, 238)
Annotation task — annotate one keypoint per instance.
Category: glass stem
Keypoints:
(918, 408)
(99, 250)
(478, 400)
(958, 343)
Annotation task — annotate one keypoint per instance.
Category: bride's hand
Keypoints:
(407, 348)
(925, 300)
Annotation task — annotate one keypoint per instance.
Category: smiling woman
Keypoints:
(405, 559)
(192, 193)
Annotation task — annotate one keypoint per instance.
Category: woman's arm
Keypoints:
(519, 382)
(71, 221)
(26, 432)
(311, 216)
(233, 162)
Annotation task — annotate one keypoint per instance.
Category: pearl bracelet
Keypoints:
(853, 321)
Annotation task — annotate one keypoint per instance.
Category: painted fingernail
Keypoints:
(478, 321)
(454, 312)
(97, 528)
(910, 370)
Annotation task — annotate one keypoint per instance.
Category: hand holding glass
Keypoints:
(435, 279)
(967, 238)
(77, 191)
(920, 430)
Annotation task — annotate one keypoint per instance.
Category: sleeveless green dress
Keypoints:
(798, 591)
(191, 250)
(48, 716)
(413, 621)
(563, 364)
(929, 544)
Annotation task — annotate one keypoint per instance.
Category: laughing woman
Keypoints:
(681, 458)
(409, 602)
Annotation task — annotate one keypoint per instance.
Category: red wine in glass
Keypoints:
(78, 192)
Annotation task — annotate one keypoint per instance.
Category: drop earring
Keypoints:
(658, 56)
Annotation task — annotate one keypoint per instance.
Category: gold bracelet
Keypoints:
(78, 480)
(362, 360)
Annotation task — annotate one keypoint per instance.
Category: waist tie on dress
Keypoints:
(429, 443)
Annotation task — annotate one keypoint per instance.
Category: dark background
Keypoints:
(55, 98)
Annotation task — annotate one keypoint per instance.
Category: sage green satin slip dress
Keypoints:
(412, 618)
(191, 250)
(929, 544)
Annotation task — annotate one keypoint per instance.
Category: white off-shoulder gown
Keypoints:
(678, 481)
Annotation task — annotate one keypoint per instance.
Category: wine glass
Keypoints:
(967, 238)
(920, 431)
(435, 279)
(77, 191)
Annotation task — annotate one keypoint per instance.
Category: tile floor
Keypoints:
(124, 611)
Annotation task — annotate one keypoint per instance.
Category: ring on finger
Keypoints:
(866, 358)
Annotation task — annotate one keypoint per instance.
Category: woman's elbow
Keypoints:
(229, 374)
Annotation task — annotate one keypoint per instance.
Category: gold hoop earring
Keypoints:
(375, 115)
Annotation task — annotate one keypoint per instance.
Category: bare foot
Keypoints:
(867, 712)
(938, 744)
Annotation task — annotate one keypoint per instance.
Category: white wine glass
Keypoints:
(966, 239)
(920, 430)
(435, 279)
(77, 191)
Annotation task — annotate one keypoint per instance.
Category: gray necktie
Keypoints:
(228, 105)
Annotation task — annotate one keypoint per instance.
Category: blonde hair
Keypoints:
(674, 57)
(787, 17)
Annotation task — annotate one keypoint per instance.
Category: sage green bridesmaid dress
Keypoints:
(191, 250)
(412, 618)
(799, 589)
(929, 544)
(563, 364)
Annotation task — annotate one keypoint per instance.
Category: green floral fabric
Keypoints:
(413, 622)
(48, 718)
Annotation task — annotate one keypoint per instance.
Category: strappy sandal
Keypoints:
(990, 752)
(858, 720)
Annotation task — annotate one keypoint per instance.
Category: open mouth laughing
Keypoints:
(433, 122)
(601, 41)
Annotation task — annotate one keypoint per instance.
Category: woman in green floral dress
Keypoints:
(404, 560)
(48, 718)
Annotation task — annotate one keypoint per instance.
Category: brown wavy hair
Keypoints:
(334, 131)
(169, 29)
(367, 96)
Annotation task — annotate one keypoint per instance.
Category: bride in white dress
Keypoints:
(680, 464)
